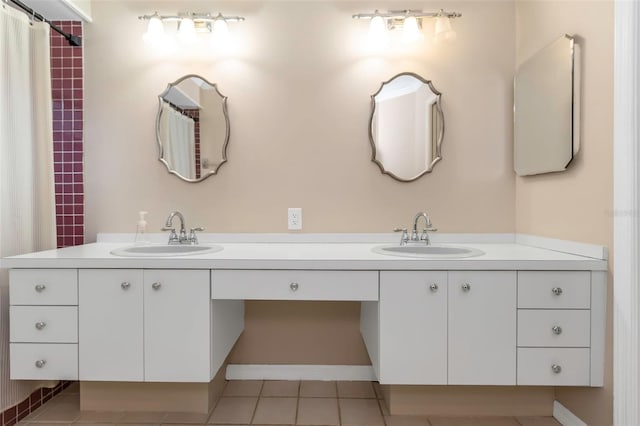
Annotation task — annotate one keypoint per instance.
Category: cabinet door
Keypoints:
(110, 325)
(482, 328)
(413, 329)
(177, 326)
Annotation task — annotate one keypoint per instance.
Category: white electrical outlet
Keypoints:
(295, 218)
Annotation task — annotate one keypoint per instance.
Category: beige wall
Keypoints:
(299, 102)
(576, 204)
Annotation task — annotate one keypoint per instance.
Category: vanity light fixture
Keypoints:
(410, 22)
(189, 26)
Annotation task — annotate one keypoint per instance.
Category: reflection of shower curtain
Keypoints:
(27, 203)
(177, 132)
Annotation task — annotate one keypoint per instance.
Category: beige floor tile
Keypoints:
(452, 421)
(318, 389)
(137, 424)
(406, 421)
(92, 424)
(497, 421)
(142, 417)
(276, 411)
(280, 388)
(58, 413)
(185, 418)
(360, 412)
(383, 407)
(100, 417)
(237, 410)
(318, 411)
(538, 421)
(243, 388)
(355, 390)
(377, 389)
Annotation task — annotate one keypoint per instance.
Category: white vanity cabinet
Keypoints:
(482, 328)
(43, 327)
(144, 325)
(439, 327)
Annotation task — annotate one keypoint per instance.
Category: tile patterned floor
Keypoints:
(274, 403)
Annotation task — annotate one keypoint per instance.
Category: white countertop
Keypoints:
(306, 255)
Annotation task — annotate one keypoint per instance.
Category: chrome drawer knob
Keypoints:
(556, 329)
(125, 285)
(294, 286)
(466, 287)
(556, 368)
(557, 291)
(156, 286)
(40, 325)
(40, 363)
(433, 287)
(40, 288)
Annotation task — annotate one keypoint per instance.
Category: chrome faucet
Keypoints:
(182, 237)
(405, 238)
(173, 238)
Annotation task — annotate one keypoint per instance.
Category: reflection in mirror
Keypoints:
(406, 127)
(192, 128)
(546, 109)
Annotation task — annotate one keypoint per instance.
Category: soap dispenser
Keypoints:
(141, 229)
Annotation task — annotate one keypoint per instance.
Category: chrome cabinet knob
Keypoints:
(556, 368)
(557, 291)
(40, 288)
(125, 285)
(556, 329)
(40, 325)
(294, 286)
(40, 363)
(466, 287)
(156, 286)
(433, 287)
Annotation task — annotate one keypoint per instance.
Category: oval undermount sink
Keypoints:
(424, 251)
(165, 250)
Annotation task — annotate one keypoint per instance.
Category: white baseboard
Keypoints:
(300, 372)
(566, 417)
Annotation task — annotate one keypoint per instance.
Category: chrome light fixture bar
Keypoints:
(189, 24)
(410, 22)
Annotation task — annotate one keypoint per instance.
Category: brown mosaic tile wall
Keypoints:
(67, 81)
(13, 415)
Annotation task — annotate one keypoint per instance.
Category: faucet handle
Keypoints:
(193, 238)
(173, 238)
(405, 237)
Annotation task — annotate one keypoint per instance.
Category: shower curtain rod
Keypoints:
(73, 40)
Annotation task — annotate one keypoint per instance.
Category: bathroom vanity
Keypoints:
(516, 315)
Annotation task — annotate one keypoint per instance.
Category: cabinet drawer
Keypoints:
(536, 366)
(43, 287)
(554, 289)
(294, 285)
(52, 324)
(57, 361)
(554, 328)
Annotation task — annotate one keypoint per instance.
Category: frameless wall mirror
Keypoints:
(406, 127)
(192, 128)
(547, 109)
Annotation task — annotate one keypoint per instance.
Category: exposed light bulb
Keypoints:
(411, 30)
(187, 31)
(220, 31)
(378, 35)
(443, 30)
(155, 31)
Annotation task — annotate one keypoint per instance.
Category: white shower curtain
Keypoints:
(27, 200)
(177, 132)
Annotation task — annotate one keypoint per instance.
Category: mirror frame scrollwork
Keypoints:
(440, 135)
(227, 129)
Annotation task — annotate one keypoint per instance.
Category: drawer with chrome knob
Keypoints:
(43, 287)
(554, 328)
(553, 366)
(43, 324)
(44, 361)
(554, 289)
